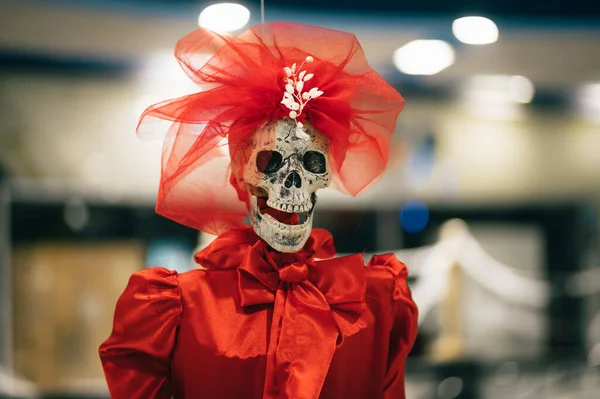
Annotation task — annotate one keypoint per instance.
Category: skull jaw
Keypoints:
(280, 236)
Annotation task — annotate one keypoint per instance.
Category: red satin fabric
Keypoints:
(261, 324)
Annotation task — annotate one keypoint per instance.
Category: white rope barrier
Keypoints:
(15, 387)
(431, 265)
(432, 284)
(585, 282)
(500, 279)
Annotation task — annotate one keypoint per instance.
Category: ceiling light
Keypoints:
(424, 57)
(224, 17)
(498, 97)
(495, 112)
(521, 89)
(501, 88)
(588, 102)
(475, 30)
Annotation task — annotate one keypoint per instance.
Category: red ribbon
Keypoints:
(315, 304)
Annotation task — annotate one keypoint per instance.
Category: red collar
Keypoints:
(228, 250)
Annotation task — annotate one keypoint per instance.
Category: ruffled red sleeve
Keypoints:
(404, 325)
(136, 357)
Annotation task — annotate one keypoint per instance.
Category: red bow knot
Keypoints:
(294, 273)
(315, 304)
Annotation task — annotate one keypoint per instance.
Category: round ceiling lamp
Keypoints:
(224, 17)
(424, 57)
(475, 30)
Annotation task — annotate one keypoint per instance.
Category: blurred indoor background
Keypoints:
(491, 198)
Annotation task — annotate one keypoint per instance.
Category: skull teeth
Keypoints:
(293, 208)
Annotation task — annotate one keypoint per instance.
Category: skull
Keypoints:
(284, 171)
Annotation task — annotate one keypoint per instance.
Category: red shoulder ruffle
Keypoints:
(398, 271)
(138, 351)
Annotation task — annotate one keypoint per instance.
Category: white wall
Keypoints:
(83, 130)
(534, 157)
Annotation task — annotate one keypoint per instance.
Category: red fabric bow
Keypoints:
(316, 304)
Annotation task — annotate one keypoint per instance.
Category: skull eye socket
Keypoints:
(268, 161)
(314, 162)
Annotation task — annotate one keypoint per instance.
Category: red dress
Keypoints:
(261, 324)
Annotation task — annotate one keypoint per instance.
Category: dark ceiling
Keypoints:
(569, 9)
(526, 13)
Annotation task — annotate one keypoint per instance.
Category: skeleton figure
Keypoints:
(284, 171)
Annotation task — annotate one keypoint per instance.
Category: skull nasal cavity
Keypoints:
(293, 179)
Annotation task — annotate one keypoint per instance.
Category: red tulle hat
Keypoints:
(241, 87)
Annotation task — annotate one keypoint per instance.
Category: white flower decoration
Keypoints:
(294, 98)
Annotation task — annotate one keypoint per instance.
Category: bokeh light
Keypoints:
(224, 17)
(424, 57)
(414, 216)
(76, 214)
(450, 388)
(475, 30)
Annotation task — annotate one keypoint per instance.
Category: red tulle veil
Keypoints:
(241, 88)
